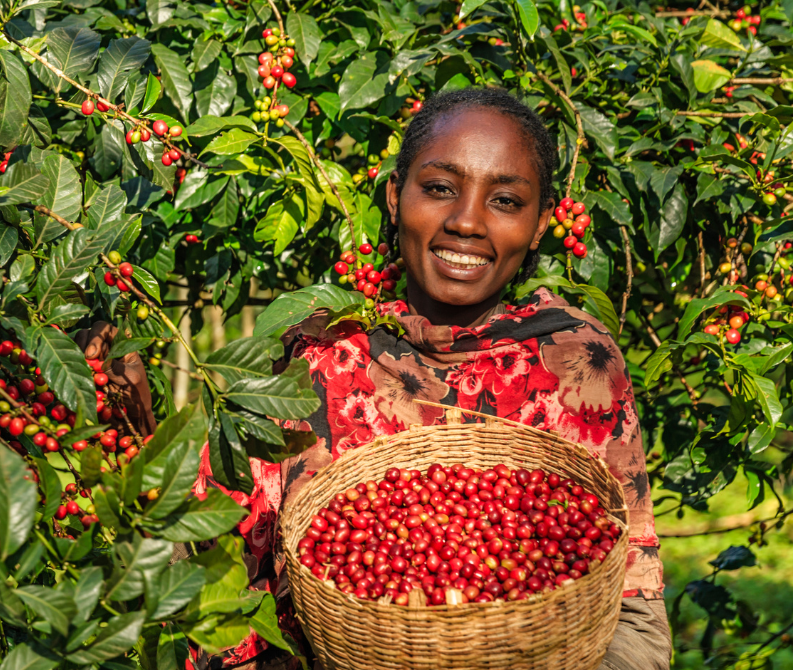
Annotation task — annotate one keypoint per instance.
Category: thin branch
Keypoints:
(333, 188)
(277, 16)
(702, 271)
(174, 366)
(692, 394)
(579, 124)
(723, 115)
(251, 302)
(718, 531)
(138, 123)
(768, 81)
(685, 15)
(629, 269)
(779, 248)
(43, 210)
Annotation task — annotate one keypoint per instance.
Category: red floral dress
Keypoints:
(544, 364)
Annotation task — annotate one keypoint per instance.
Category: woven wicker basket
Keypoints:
(568, 629)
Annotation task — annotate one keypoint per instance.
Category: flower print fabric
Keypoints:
(545, 364)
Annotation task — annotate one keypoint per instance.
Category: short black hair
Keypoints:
(539, 140)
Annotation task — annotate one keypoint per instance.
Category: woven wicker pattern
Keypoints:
(568, 629)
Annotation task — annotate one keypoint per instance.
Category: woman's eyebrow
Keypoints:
(509, 179)
(446, 167)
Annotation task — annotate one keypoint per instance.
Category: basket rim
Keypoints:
(290, 530)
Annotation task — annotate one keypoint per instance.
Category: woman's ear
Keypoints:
(392, 197)
(542, 225)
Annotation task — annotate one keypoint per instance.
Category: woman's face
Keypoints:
(469, 209)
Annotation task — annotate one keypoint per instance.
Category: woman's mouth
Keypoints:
(460, 261)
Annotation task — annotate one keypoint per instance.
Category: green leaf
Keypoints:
(469, 6)
(281, 223)
(364, 81)
(50, 486)
(136, 562)
(159, 11)
(529, 18)
(603, 307)
(8, 241)
(91, 463)
(73, 50)
(199, 520)
(175, 78)
(708, 76)
(178, 476)
(667, 229)
(24, 182)
(612, 205)
(209, 125)
(87, 591)
(719, 36)
(63, 196)
(289, 309)
(278, 397)
(230, 142)
(561, 64)
(126, 345)
(27, 657)
(53, 606)
(15, 100)
(227, 208)
(106, 206)
(658, 364)
(215, 90)
(734, 558)
(148, 282)
(228, 459)
(152, 95)
(768, 397)
(185, 429)
(118, 637)
(206, 52)
(69, 260)
(172, 648)
(303, 29)
(119, 60)
(63, 366)
(265, 623)
(246, 357)
(18, 500)
(177, 586)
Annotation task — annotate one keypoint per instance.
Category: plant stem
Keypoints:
(138, 123)
(629, 269)
(277, 16)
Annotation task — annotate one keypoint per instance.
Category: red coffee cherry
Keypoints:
(100, 379)
(160, 127)
(578, 208)
(365, 248)
(126, 269)
(110, 280)
(60, 513)
(72, 508)
(101, 106)
(176, 131)
(87, 107)
(175, 154)
(732, 336)
(579, 250)
(569, 241)
(373, 172)
(288, 79)
(166, 159)
(342, 268)
(567, 203)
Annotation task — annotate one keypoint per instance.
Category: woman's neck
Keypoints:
(443, 314)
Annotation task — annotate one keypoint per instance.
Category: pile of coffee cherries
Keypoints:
(363, 276)
(497, 534)
(570, 228)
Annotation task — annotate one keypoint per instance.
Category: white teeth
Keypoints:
(461, 261)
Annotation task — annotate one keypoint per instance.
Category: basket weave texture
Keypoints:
(568, 629)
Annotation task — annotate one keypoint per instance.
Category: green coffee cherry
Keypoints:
(257, 104)
(114, 257)
(256, 117)
(373, 159)
(6, 407)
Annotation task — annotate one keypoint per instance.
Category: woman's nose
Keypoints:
(468, 217)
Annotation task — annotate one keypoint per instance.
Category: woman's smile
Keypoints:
(460, 264)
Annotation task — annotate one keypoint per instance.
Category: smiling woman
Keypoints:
(468, 204)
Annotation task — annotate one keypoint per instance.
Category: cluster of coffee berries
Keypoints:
(580, 18)
(775, 191)
(569, 228)
(70, 507)
(4, 162)
(372, 167)
(744, 20)
(267, 111)
(364, 277)
(496, 534)
(273, 66)
(125, 270)
(415, 107)
(728, 321)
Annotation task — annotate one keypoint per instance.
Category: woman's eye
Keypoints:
(506, 201)
(439, 189)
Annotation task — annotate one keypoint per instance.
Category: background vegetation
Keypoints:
(673, 128)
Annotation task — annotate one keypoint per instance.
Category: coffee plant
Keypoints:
(164, 142)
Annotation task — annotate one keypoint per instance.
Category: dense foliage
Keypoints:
(154, 133)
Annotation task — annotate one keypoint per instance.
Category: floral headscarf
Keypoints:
(545, 364)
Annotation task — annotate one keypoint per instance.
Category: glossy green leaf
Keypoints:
(18, 501)
(15, 100)
(187, 429)
(199, 520)
(29, 657)
(118, 61)
(51, 605)
(529, 18)
(304, 30)
(134, 563)
(709, 76)
(25, 183)
(175, 78)
(115, 639)
(177, 586)
(279, 397)
(246, 357)
(153, 89)
(230, 142)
